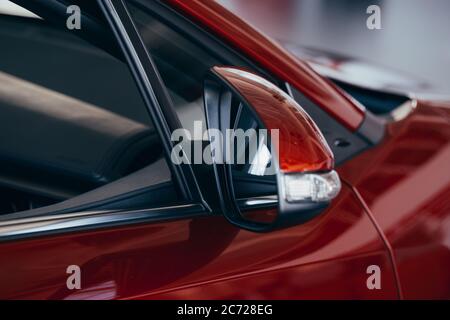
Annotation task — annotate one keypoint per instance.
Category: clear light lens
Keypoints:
(317, 187)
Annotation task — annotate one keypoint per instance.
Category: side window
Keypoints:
(181, 62)
(72, 119)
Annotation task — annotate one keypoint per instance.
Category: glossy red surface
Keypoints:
(393, 211)
(300, 146)
(405, 183)
(206, 257)
(274, 58)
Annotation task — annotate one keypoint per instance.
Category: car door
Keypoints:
(177, 248)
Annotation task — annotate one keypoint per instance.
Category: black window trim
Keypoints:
(152, 89)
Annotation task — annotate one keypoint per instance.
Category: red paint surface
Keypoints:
(206, 257)
(405, 183)
(275, 59)
(301, 146)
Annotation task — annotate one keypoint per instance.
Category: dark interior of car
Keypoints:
(66, 128)
(74, 119)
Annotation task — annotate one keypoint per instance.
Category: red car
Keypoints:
(93, 204)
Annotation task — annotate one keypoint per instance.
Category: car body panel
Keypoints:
(405, 183)
(206, 257)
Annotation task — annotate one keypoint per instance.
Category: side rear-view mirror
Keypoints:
(265, 149)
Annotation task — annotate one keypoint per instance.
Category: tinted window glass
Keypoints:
(181, 62)
(71, 117)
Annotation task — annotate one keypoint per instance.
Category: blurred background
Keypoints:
(415, 34)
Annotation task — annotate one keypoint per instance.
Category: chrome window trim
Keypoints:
(258, 202)
(81, 221)
(99, 219)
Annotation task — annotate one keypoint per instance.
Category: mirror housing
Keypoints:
(301, 159)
